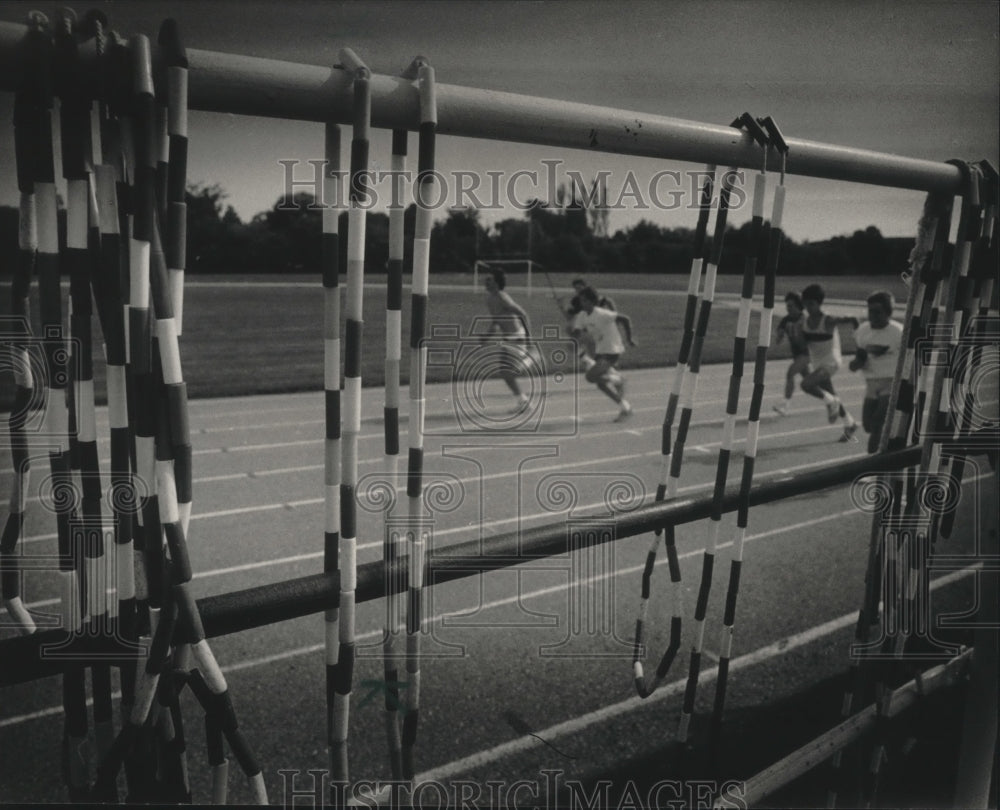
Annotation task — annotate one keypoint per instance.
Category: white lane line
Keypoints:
(600, 434)
(576, 724)
(682, 556)
(41, 452)
(314, 555)
(495, 476)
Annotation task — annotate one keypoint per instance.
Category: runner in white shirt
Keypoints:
(878, 344)
(602, 327)
(823, 340)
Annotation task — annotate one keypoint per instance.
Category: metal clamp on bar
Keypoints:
(775, 138)
(748, 123)
(353, 63)
(413, 70)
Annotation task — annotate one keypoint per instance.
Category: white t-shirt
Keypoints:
(824, 344)
(602, 327)
(882, 347)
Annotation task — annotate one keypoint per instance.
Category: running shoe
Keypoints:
(519, 407)
(833, 410)
(848, 434)
(781, 410)
(624, 414)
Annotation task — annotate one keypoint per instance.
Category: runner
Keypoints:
(586, 353)
(791, 327)
(878, 343)
(602, 326)
(823, 340)
(509, 319)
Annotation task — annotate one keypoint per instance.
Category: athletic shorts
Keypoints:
(878, 387)
(610, 359)
(517, 357)
(800, 364)
(873, 414)
(830, 366)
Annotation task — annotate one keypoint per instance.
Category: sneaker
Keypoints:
(624, 414)
(781, 410)
(833, 410)
(519, 407)
(848, 434)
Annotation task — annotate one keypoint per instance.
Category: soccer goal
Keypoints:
(512, 267)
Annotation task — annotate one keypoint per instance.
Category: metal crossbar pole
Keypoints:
(233, 83)
(21, 662)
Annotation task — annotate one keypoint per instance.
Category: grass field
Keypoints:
(242, 337)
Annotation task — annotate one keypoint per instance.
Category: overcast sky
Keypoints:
(912, 78)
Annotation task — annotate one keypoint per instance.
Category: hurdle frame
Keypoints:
(243, 85)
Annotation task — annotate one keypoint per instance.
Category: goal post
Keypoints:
(527, 266)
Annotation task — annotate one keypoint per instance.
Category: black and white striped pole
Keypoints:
(351, 416)
(755, 133)
(333, 189)
(86, 546)
(176, 64)
(771, 236)
(694, 282)
(32, 130)
(425, 193)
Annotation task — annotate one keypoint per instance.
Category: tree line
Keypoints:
(561, 237)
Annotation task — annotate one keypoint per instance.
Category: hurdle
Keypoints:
(350, 94)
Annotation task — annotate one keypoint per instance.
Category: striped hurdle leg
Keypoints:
(393, 358)
(30, 122)
(24, 396)
(913, 544)
(425, 189)
(108, 293)
(175, 60)
(73, 108)
(689, 381)
(694, 281)
(982, 271)
(353, 335)
(770, 241)
(899, 420)
(953, 421)
(643, 689)
(331, 386)
(691, 306)
(688, 393)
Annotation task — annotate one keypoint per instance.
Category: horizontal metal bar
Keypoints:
(21, 659)
(531, 545)
(50, 652)
(231, 83)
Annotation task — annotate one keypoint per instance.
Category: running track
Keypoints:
(525, 646)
